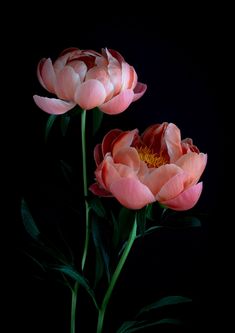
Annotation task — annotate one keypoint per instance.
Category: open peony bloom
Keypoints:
(156, 166)
(89, 79)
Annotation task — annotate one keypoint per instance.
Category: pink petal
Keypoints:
(116, 55)
(124, 140)
(152, 137)
(127, 76)
(139, 91)
(131, 193)
(90, 94)
(53, 105)
(129, 157)
(67, 81)
(98, 190)
(39, 70)
(172, 188)
(156, 179)
(194, 164)
(109, 174)
(118, 103)
(186, 200)
(48, 75)
(101, 74)
(108, 140)
(173, 142)
(80, 68)
(98, 156)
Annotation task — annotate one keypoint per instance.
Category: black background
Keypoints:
(180, 57)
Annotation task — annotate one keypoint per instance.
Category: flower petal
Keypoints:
(118, 103)
(139, 91)
(98, 190)
(194, 164)
(48, 75)
(108, 140)
(131, 193)
(124, 140)
(90, 94)
(128, 156)
(53, 105)
(66, 83)
(156, 179)
(172, 188)
(186, 200)
(98, 156)
(173, 142)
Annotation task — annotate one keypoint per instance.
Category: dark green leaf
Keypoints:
(71, 272)
(99, 244)
(191, 221)
(115, 238)
(28, 221)
(64, 124)
(50, 121)
(126, 325)
(36, 261)
(99, 267)
(151, 230)
(97, 119)
(141, 220)
(98, 207)
(125, 220)
(169, 300)
(138, 326)
(149, 212)
(66, 170)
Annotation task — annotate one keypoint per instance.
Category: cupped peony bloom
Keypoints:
(156, 166)
(89, 79)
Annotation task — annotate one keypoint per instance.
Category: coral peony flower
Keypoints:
(156, 166)
(89, 79)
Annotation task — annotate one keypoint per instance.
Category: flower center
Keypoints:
(152, 159)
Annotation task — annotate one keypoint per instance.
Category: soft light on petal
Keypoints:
(124, 140)
(118, 103)
(194, 164)
(90, 94)
(173, 142)
(129, 157)
(53, 105)
(131, 193)
(185, 200)
(172, 188)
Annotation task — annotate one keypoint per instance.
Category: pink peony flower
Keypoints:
(89, 79)
(156, 166)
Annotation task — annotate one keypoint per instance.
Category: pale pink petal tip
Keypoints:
(90, 94)
(53, 105)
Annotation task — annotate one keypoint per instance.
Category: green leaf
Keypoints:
(98, 207)
(28, 221)
(125, 220)
(97, 119)
(64, 124)
(149, 212)
(151, 230)
(141, 220)
(99, 267)
(139, 325)
(191, 222)
(66, 170)
(97, 237)
(169, 300)
(178, 221)
(50, 121)
(115, 238)
(71, 272)
(126, 325)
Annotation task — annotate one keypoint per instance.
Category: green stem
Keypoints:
(73, 307)
(115, 276)
(83, 133)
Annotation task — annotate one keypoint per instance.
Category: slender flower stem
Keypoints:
(73, 307)
(115, 276)
(85, 190)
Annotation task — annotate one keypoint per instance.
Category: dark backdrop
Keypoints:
(178, 56)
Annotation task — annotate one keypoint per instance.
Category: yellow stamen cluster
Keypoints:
(152, 159)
